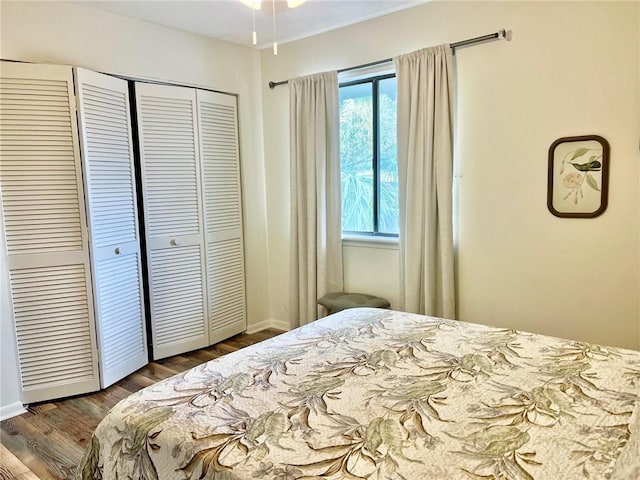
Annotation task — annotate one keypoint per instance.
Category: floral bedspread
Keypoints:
(378, 394)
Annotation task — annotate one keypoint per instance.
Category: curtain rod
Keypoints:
(500, 34)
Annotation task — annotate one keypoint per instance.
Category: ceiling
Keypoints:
(231, 20)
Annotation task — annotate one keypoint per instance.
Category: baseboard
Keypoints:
(280, 325)
(11, 410)
(269, 323)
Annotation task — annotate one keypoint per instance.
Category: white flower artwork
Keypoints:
(578, 174)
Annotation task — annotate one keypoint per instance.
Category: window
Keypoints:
(368, 156)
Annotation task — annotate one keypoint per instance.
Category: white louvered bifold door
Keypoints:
(217, 120)
(167, 127)
(44, 222)
(107, 154)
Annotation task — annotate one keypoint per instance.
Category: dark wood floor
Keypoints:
(50, 438)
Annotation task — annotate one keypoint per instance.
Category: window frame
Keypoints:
(375, 91)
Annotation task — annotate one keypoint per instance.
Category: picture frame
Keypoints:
(578, 176)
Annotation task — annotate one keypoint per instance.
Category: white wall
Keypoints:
(372, 267)
(73, 34)
(571, 69)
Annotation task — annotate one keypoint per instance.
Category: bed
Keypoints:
(378, 394)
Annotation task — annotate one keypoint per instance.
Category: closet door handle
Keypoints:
(117, 251)
(174, 242)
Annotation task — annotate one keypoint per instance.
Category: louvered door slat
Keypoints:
(226, 277)
(217, 121)
(178, 305)
(44, 221)
(109, 172)
(20, 181)
(167, 128)
(122, 334)
(158, 178)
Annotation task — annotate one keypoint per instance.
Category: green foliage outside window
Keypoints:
(358, 161)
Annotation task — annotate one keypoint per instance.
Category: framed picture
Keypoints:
(578, 183)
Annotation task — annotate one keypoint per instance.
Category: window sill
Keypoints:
(370, 241)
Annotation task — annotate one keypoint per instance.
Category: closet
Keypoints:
(192, 208)
(71, 229)
(69, 205)
(112, 215)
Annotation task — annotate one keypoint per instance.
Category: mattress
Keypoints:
(378, 394)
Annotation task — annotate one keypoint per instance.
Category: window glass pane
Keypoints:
(356, 157)
(388, 161)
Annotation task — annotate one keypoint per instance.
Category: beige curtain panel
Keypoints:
(316, 244)
(425, 177)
